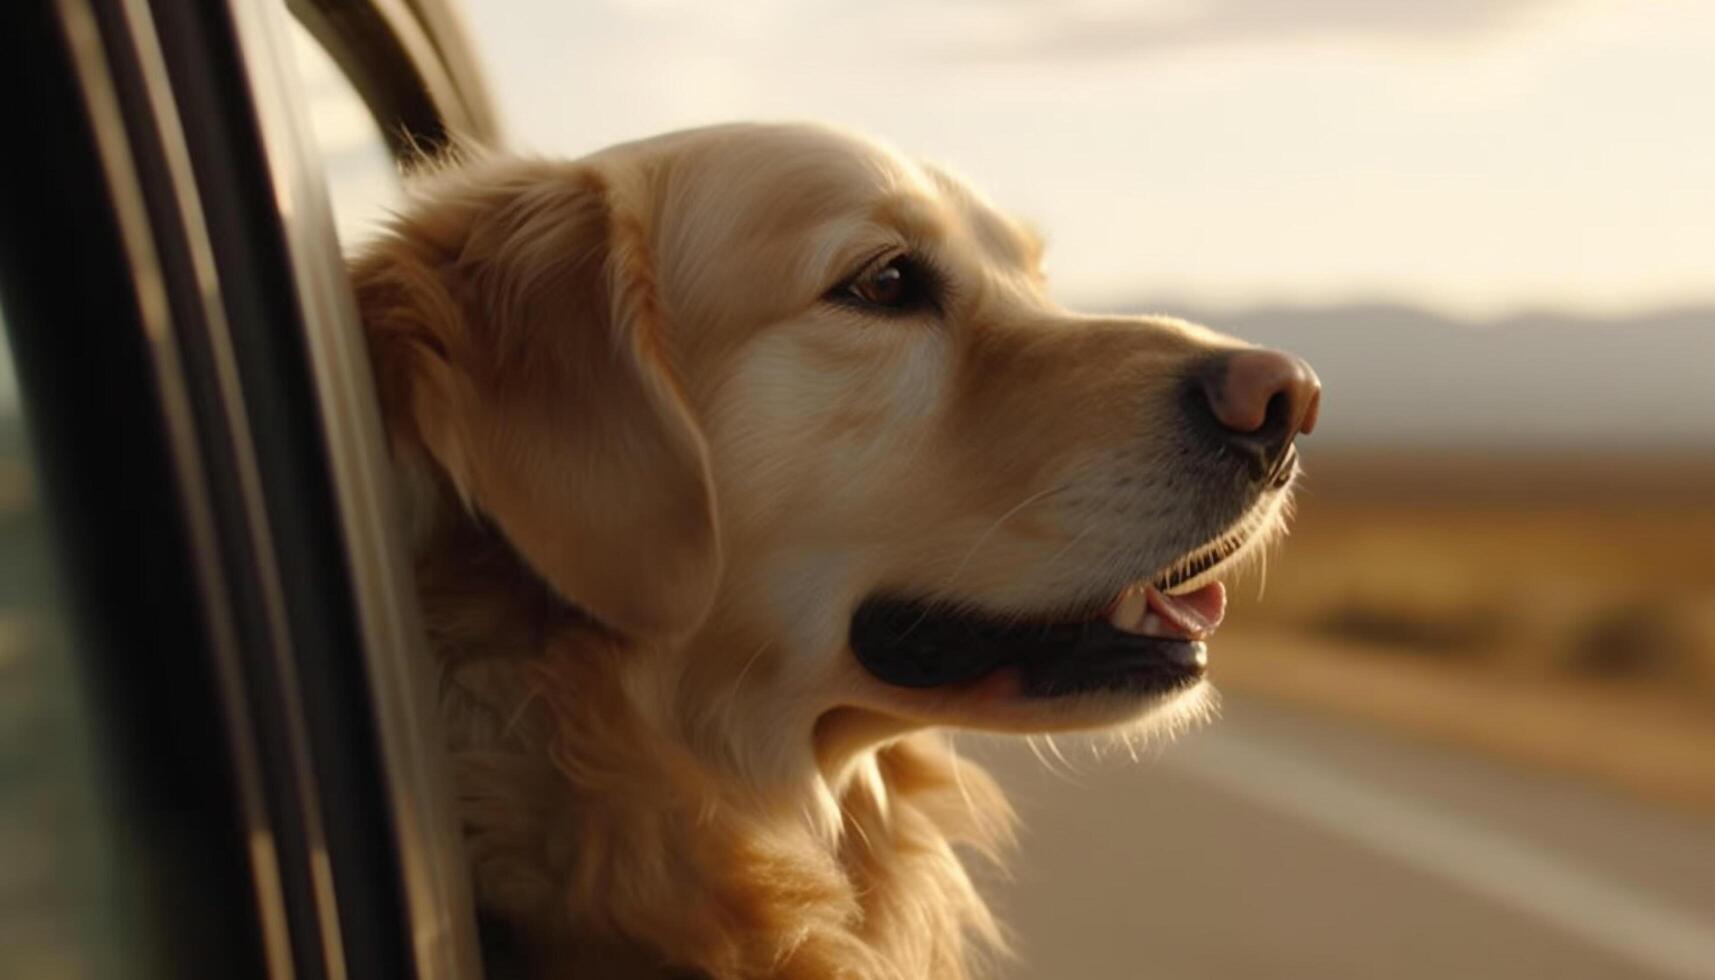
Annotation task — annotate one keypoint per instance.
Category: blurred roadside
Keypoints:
(1554, 609)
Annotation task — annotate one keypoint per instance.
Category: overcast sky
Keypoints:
(1469, 155)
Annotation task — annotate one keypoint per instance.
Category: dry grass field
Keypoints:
(1559, 610)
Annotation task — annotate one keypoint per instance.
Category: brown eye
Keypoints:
(883, 287)
(902, 284)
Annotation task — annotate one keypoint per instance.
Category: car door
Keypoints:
(238, 773)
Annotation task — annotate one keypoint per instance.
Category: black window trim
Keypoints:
(325, 789)
(440, 911)
(132, 499)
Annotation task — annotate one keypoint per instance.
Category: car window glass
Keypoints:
(363, 183)
(55, 873)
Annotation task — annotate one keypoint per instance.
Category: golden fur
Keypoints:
(651, 471)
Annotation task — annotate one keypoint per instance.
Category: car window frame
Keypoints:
(426, 65)
(414, 66)
(313, 773)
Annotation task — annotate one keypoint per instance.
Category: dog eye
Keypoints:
(885, 286)
(899, 285)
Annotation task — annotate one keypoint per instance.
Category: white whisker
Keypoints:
(1068, 546)
(983, 538)
(1036, 750)
(1054, 747)
(745, 670)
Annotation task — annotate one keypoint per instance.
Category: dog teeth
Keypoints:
(1131, 612)
(1133, 615)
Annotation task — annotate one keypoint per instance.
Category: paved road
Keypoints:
(1278, 844)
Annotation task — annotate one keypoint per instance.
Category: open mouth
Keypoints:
(1147, 640)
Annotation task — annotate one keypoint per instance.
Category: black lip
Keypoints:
(918, 644)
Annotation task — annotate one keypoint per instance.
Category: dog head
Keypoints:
(797, 417)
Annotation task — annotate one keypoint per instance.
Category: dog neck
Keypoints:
(606, 836)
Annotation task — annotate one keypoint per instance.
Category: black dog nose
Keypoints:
(1258, 401)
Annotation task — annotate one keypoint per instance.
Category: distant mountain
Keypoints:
(1396, 375)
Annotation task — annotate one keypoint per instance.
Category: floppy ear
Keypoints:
(518, 341)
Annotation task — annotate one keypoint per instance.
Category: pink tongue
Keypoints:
(1196, 614)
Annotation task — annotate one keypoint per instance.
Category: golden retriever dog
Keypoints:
(740, 464)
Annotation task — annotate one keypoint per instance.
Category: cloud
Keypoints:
(1093, 29)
